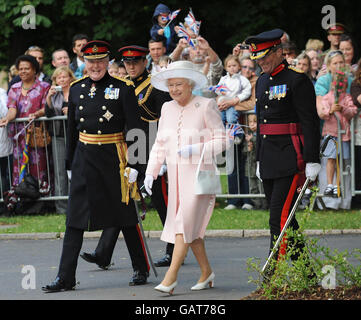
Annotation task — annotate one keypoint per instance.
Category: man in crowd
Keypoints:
(157, 49)
(150, 102)
(60, 57)
(100, 109)
(78, 63)
(288, 136)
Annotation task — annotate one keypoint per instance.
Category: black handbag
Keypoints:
(28, 188)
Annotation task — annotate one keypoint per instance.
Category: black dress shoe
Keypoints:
(59, 285)
(164, 262)
(92, 258)
(139, 278)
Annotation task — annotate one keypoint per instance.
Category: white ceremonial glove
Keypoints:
(163, 170)
(68, 172)
(312, 170)
(148, 183)
(257, 172)
(133, 174)
(188, 150)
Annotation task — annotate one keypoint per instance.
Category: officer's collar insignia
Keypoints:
(108, 115)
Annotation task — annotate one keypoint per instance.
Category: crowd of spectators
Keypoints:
(33, 94)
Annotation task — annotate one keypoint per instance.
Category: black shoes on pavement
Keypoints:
(59, 285)
(92, 258)
(138, 278)
(164, 262)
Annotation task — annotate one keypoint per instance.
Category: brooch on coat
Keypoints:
(277, 92)
(92, 92)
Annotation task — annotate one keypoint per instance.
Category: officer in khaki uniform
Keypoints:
(288, 130)
(150, 102)
(101, 110)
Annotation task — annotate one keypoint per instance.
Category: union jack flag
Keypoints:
(174, 14)
(182, 33)
(191, 21)
(234, 129)
(219, 88)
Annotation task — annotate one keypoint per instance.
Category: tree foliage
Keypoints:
(224, 23)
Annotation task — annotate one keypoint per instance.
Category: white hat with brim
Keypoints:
(179, 69)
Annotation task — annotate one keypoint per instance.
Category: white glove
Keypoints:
(312, 170)
(188, 150)
(163, 170)
(257, 172)
(148, 183)
(68, 172)
(133, 174)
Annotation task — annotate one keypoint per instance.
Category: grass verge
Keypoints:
(221, 219)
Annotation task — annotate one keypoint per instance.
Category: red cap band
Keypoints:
(264, 45)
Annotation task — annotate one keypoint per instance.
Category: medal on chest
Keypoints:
(111, 93)
(277, 92)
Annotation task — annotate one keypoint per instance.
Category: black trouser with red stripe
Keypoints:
(72, 243)
(281, 194)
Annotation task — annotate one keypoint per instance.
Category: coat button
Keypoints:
(80, 107)
(264, 120)
(81, 119)
(81, 96)
(104, 107)
(101, 119)
(270, 78)
(99, 132)
(99, 143)
(84, 131)
(264, 136)
(83, 85)
(266, 107)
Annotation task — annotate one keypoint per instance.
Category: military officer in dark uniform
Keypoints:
(101, 110)
(150, 102)
(288, 131)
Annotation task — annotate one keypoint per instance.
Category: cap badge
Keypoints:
(95, 48)
(254, 47)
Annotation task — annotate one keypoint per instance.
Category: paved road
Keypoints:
(227, 256)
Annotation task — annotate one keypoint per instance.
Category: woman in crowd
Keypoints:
(57, 105)
(356, 97)
(348, 49)
(188, 124)
(335, 61)
(304, 64)
(27, 99)
(315, 63)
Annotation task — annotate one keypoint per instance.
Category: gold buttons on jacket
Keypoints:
(82, 120)
(264, 120)
(101, 119)
(81, 96)
(84, 131)
(104, 107)
(81, 108)
(270, 78)
(83, 85)
(264, 136)
(266, 107)
(99, 132)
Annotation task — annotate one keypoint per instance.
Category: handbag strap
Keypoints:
(201, 159)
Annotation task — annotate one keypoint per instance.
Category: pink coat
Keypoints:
(345, 115)
(198, 123)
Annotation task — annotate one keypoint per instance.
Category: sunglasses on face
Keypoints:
(335, 53)
(247, 67)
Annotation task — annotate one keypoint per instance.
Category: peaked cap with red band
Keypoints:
(337, 28)
(262, 43)
(130, 53)
(96, 49)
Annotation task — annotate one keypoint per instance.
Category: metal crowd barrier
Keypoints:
(52, 157)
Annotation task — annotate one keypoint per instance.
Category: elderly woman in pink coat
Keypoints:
(187, 124)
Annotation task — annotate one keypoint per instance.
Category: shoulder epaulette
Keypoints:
(295, 69)
(128, 82)
(78, 80)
